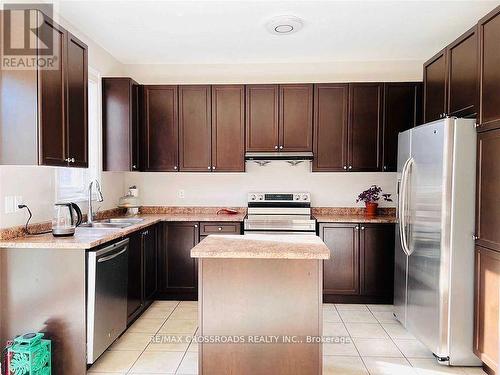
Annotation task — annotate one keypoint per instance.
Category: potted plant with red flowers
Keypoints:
(371, 197)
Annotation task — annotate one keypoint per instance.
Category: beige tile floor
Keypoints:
(373, 343)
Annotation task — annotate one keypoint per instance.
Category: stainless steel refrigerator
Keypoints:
(434, 272)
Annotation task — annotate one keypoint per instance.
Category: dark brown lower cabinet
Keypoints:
(178, 272)
(142, 271)
(361, 265)
(487, 307)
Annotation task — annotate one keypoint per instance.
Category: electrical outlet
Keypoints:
(180, 194)
(9, 204)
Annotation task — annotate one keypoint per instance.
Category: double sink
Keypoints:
(114, 223)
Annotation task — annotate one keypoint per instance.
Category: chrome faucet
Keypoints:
(90, 212)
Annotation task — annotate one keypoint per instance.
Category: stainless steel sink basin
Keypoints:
(117, 222)
(133, 220)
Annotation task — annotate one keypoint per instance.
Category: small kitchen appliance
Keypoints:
(29, 354)
(67, 216)
(279, 213)
(130, 201)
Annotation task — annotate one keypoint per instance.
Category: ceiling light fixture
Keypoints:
(284, 25)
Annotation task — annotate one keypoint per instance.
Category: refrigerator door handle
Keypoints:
(402, 206)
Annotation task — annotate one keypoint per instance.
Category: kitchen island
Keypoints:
(260, 303)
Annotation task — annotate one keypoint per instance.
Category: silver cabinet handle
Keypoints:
(345, 166)
(281, 147)
(175, 167)
(134, 166)
(209, 167)
(275, 147)
(72, 160)
(219, 228)
(356, 228)
(350, 167)
(362, 228)
(196, 225)
(213, 167)
(67, 160)
(474, 237)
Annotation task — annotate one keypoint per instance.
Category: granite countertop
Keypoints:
(86, 238)
(261, 246)
(355, 218)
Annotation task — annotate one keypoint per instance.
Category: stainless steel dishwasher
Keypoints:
(107, 277)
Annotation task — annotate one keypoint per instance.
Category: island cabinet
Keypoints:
(178, 272)
(279, 117)
(48, 106)
(160, 129)
(362, 261)
(142, 271)
(402, 111)
(489, 79)
(120, 124)
(487, 307)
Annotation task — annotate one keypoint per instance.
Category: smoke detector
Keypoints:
(284, 25)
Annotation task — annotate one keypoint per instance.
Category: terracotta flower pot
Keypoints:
(371, 208)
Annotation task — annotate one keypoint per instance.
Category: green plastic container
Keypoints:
(30, 355)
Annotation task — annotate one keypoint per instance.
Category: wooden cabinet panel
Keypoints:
(195, 128)
(487, 307)
(435, 87)
(295, 117)
(341, 271)
(135, 274)
(462, 75)
(488, 189)
(228, 128)
(77, 93)
(400, 114)
(262, 116)
(489, 73)
(330, 127)
(150, 248)
(377, 259)
(365, 126)
(120, 123)
(178, 271)
(160, 131)
(52, 99)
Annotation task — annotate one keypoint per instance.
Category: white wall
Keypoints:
(37, 184)
(342, 71)
(230, 189)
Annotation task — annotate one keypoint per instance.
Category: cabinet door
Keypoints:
(150, 249)
(489, 78)
(228, 128)
(341, 271)
(487, 307)
(135, 276)
(52, 99)
(195, 128)
(400, 106)
(295, 117)
(462, 75)
(365, 126)
(435, 87)
(376, 243)
(179, 273)
(330, 127)
(135, 128)
(77, 109)
(160, 131)
(262, 118)
(488, 189)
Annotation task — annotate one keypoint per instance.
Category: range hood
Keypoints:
(274, 155)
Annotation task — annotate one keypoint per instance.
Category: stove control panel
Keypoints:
(279, 197)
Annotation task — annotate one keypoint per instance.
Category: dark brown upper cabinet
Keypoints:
(462, 75)
(160, 130)
(48, 106)
(402, 107)
(330, 127)
(195, 128)
(120, 124)
(228, 128)
(435, 79)
(488, 190)
(365, 127)
(77, 83)
(489, 76)
(262, 118)
(295, 117)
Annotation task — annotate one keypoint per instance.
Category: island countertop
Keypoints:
(261, 246)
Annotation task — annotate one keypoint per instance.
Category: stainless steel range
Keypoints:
(279, 213)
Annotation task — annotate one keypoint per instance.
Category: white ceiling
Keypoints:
(213, 32)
